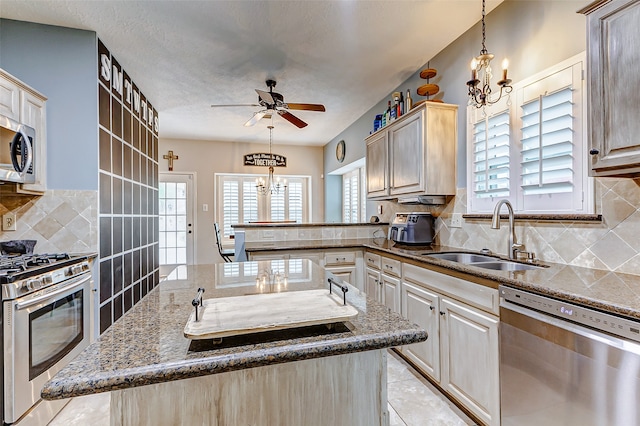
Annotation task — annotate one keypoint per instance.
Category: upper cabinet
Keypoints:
(614, 81)
(27, 106)
(414, 155)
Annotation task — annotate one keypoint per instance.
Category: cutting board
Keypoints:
(254, 313)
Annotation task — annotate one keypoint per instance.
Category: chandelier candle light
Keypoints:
(271, 185)
(480, 83)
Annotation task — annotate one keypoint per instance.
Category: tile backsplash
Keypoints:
(61, 221)
(611, 245)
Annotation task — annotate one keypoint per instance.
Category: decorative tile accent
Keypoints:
(40, 219)
(612, 245)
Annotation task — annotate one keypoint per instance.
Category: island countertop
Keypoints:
(147, 344)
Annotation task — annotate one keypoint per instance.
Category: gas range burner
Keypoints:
(18, 263)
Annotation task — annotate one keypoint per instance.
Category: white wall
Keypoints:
(209, 157)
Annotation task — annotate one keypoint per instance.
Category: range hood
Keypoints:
(423, 199)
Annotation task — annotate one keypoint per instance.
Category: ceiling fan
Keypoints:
(273, 103)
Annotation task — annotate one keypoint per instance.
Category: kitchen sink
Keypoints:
(482, 261)
(505, 265)
(462, 257)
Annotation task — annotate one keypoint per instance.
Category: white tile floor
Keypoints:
(413, 401)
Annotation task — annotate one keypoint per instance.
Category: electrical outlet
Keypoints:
(9, 222)
(456, 220)
(205, 207)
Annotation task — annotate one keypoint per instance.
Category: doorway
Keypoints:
(176, 220)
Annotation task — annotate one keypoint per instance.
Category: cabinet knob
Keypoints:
(594, 151)
(441, 313)
(431, 308)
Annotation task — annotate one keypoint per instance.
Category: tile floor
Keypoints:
(413, 401)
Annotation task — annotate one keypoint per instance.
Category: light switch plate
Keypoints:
(456, 220)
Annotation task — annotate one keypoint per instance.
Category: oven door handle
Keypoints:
(47, 296)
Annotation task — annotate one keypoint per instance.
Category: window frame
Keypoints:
(360, 199)
(581, 200)
(263, 204)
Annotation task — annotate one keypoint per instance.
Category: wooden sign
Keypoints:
(265, 159)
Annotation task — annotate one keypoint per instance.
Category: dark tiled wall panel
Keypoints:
(128, 191)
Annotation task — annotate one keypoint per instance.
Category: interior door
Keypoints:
(177, 228)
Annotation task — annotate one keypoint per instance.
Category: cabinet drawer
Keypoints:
(476, 295)
(372, 260)
(339, 258)
(391, 266)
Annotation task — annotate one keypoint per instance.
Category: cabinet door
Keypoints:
(390, 292)
(9, 99)
(422, 307)
(32, 113)
(470, 358)
(613, 88)
(372, 283)
(346, 274)
(406, 156)
(377, 157)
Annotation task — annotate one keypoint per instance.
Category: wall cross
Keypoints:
(170, 157)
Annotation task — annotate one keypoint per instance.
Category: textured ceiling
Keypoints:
(186, 55)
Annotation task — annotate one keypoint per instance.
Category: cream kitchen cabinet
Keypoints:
(461, 353)
(377, 165)
(414, 155)
(382, 280)
(613, 81)
(25, 105)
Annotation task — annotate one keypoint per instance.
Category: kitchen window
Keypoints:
(530, 146)
(238, 201)
(354, 196)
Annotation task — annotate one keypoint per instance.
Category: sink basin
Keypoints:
(505, 265)
(462, 257)
(482, 261)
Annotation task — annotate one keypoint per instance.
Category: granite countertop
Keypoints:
(607, 291)
(147, 344)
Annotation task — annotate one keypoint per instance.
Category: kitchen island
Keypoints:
(316, 375)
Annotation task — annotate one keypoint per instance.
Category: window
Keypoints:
(237, 201)
(530, 147)
(354, 196)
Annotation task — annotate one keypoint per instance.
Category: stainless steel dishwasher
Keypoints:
(564, 364)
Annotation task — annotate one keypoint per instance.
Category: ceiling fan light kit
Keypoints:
(273, 103)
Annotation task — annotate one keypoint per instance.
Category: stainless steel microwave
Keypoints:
(17, 151)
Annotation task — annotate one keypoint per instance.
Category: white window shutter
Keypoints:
(552, 173)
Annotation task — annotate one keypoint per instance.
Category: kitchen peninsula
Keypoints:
(318, 375)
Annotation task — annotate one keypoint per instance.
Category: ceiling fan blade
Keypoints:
(265, 96)
(292, 119)
(233, 105)
(256, 117)
(306, 107)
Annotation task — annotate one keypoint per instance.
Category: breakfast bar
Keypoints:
(320, 374)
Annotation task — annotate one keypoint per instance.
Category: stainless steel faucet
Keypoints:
(514, 247)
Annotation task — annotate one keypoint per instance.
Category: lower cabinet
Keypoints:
(461, 353)
(383, 285)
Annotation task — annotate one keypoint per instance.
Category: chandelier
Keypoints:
(481, 74)
(270, 185)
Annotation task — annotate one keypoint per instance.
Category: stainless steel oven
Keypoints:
(42, 330)
(566, 364)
